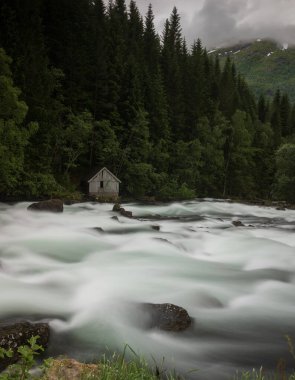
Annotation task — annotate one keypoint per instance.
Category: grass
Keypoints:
(117, 367)
(262, 375)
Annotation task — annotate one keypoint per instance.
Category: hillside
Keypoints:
(266, 65)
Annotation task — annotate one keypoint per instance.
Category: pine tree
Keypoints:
(262, 109)
(69, 38)
(276, 119)
(285, 115)
(116, 60)
(228, 93)
(98, 57)
(171, 58)
(154, 98)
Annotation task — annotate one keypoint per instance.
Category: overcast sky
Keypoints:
(222, 22)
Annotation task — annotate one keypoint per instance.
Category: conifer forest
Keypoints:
(85, 85)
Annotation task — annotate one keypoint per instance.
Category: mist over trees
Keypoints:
(84, 85)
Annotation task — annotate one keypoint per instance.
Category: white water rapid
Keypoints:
(237, 283)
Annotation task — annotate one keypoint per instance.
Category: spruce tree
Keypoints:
(171, 58)
(285, 115)
(154, 97)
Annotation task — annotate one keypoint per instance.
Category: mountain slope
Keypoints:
(265, 65)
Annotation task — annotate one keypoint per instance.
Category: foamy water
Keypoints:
(237, 283)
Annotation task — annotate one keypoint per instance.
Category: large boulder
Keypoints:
(166, 316)
(52, 205)
(17, 334)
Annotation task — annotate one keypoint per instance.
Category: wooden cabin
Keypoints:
(104, 183)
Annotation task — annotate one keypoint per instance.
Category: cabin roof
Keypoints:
(104, 168)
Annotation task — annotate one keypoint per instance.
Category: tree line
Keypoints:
(84, 85)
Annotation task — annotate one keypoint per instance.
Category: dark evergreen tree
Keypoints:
(228, 91)
(276, 119)
(171, 58)
(262, 109)
(154, 96)
(285, 115)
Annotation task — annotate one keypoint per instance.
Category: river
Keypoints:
(237, 283)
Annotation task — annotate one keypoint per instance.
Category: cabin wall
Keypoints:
(110, 185)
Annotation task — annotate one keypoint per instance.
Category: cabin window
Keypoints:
(101, 184)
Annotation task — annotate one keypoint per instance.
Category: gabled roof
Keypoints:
(104, 168)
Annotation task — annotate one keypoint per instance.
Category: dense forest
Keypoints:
(84, 85)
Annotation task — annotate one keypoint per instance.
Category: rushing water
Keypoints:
(237, 283)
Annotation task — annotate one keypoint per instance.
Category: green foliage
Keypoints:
(26, 354)
(14, 135)
(239, 162)
(140, 177)
(38, 185)
(172, 190)
(285, 173)
(105, 147)
(6, 353)
(185, 162)
(212, 156)
(75, 138)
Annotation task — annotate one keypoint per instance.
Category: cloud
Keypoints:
(222, 22)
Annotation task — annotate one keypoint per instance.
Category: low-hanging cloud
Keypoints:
(223, 22)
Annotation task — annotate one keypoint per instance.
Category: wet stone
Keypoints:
(98, 229)
(17, 334)
(52, 205)
(156, 228)
(166, 317)
(238, 223)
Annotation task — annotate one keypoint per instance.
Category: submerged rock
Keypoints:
(238, 223)
(127, 214)
(52, 205)
(117, 208)
(98, 229)
(166, 317)
(17, 334)
(155, 227)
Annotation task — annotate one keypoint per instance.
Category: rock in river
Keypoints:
(238, 223)
(52, 205)
(117, 208)
(167, 316)
(17, 334)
